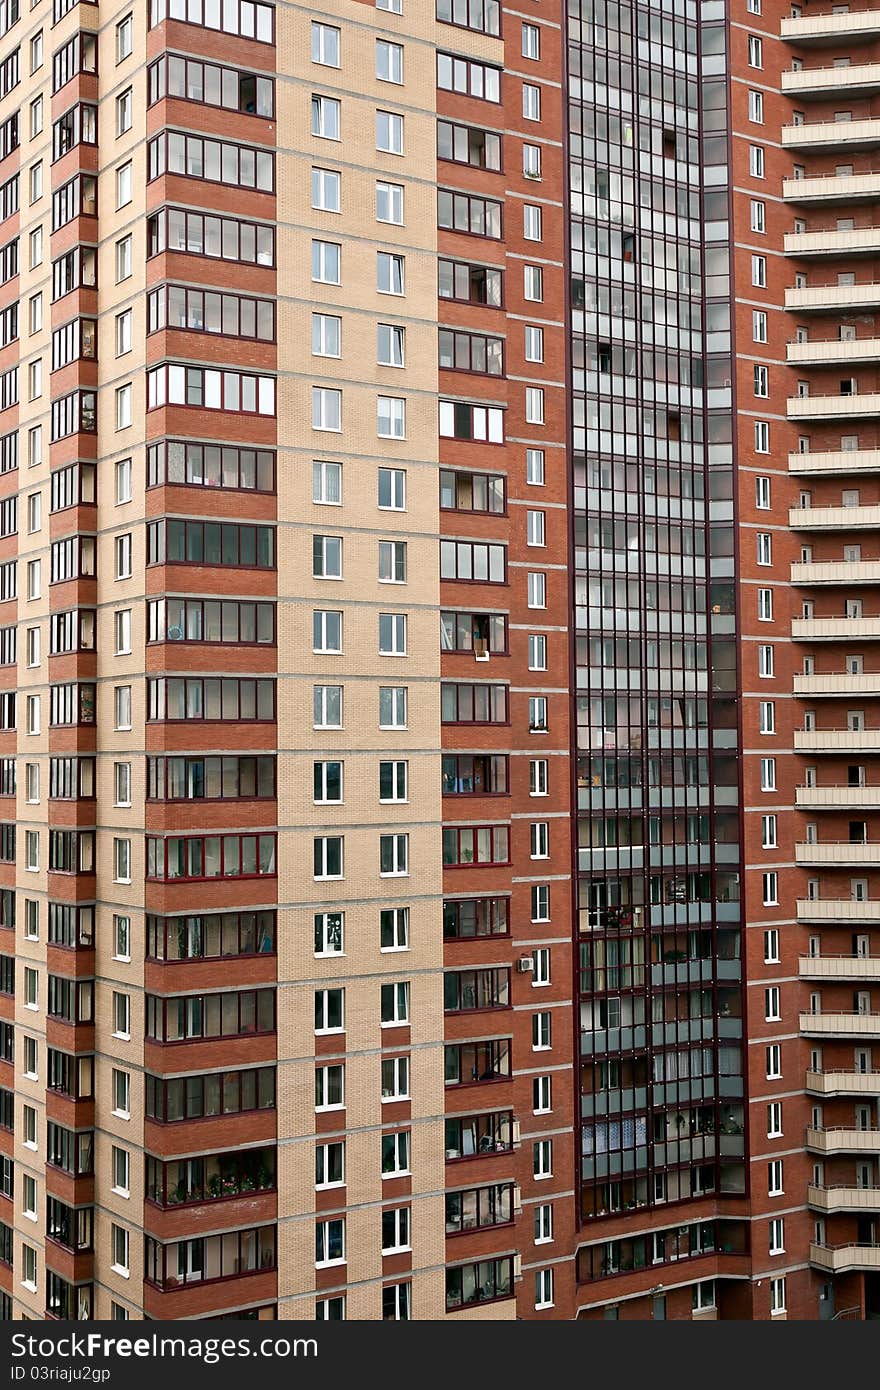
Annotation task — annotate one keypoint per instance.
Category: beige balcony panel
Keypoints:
(832, 135)
(838, 798)
(832, 188)
(836, 571)
(864, 241)
(843, 1083)
(830, 28)
(832, 298)
(833, 407)
(838, 740)
(835, 629)
(832, 683)
(839, 967)
(835, 461)
(839, 1259)
(842, 1141)
(838, 910)
(855, 77)
(844, 1198)
(826, 350)
(840, 1025)
(835, 518)
(837, 853)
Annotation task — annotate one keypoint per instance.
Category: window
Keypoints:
(326, 262)
(534, 344)
(772, 1012)
(768, 832)
(124, 38)
(119, 1247)
(392, 489)
(330, 1242)
(392, 706)
(121, 1168)
(536, 528)
(395, 1230)
(393, 855)
(122, 631)
(330, 1087)
(771, 946)
(121, 1015)
(759, 326)
(541, 1095)
(330, 1165)
(533, 283)
(389, 202)
(121, 1093)
(327, 483)
(531, 102)
(394, 929)
(29, 1267)
(31, 988)
(762, 493)
(768, 774)
(121, 927)
(326, 190)
(326, 115)
(541, 1031)
(531, 222)
(759, 271)
(122, 549)
(537, 590)
(122, 783)
(122, 861)
(390, 273)
(756, 161)
(762, 437)
(777, 1286)
(761, 380)
(327, 706)
(124, 115)
(774, 1119)
(756, 107)
(327, 779)
(390, 417)
(392, 634)
(389, 132)
(327, 557)
(325, 44)
(329, 1010)
(395, 1078)
(775, 1178)
(393, 781)
(390, 345)
(329, 933)
(773, 1062)
(766, 661)
(328, 856)
(123, 258)
(123, 333)
(394, 1000)
(395, 1153)
(755, 51)
(326, 409)
(122, 702)
(537, 652)
(544, 1286)
(389, 61)
(124, 181)
(765, 605)
(123, 406)
(542, 1158)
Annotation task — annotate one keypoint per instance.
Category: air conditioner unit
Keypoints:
(525, 965)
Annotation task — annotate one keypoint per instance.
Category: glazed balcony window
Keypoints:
(76, 413)
(472, 1136)
(480, 633)
(72, 631)
(474, 774)
(10, 73)
(202, 1097)
(6, 1244)
(7, 975)
(468, 78)
(8, 516)
(203, 1258)
(76, 269)
(9, 197)
(9, 260)
(476, 1207)
(9, 388)
(9, 452)
(210, 778)
(7, 908)
(482, 15)
(71, 704)
(7, 843)
(198, 1017)
(77, 340)
(192, 80)
(470, 284)
(79, 54)
(208, 311)
(464, 990)
(187, 464)
(8, 646)
(72, 926)
(211, 856)
(473, 1062)
(71, 778)
(7, 1049)
(7, 777)
(209, 698)
(70, 1076)
(463, 144)
(206, 234)
(485, 1281)
(214, 161)
(8, 325)
(72, 851)
(463, 703)
(78, 126)
(210, 389)
(76, 198)
(71, 1152)
(7, 1109)
(480, 423)
(243, 17)
(8, 580)
(67, 1301)
(210, 1178)
(210, 936)
(71, 1001)
(72, 1227)
(463, 212)
(72, 486)
(72, 558)
(9, 135)
(477, 562)
(211, 620)
(473, 492)
(471, 352)
(178, 542)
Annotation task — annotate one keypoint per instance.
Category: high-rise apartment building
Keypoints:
(437, 548)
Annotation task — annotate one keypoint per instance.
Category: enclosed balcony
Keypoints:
(853, 78)
(843, 1083)
(843, 1259)
(833, 241)
(838, 798)
(833, 683)
(853, 406)
(837, 740)
(835, 629)
(825, 1024)
(833, 462)
(817, 30)
(860, 134)
(832, 298)
(836, 571)
(816, 352)
(833, 188)
(839, 968)
(843, 853)
(844, 1141)
(857, 1199)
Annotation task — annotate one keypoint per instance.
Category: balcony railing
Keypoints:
(855, 77)
(840, 1025)
(843, 1083)
(832, 188)
(840, 1140)
(838, 910)
(832, 297)
(832, 241)
(835, 629)
(842, 798)
(840, 1259)
(816, 352)
(838, 740)
(840, 852)
(858, 1199)
(828, 967)
(830, 27)
(860, 403)
(834, 461)
(861, 133)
